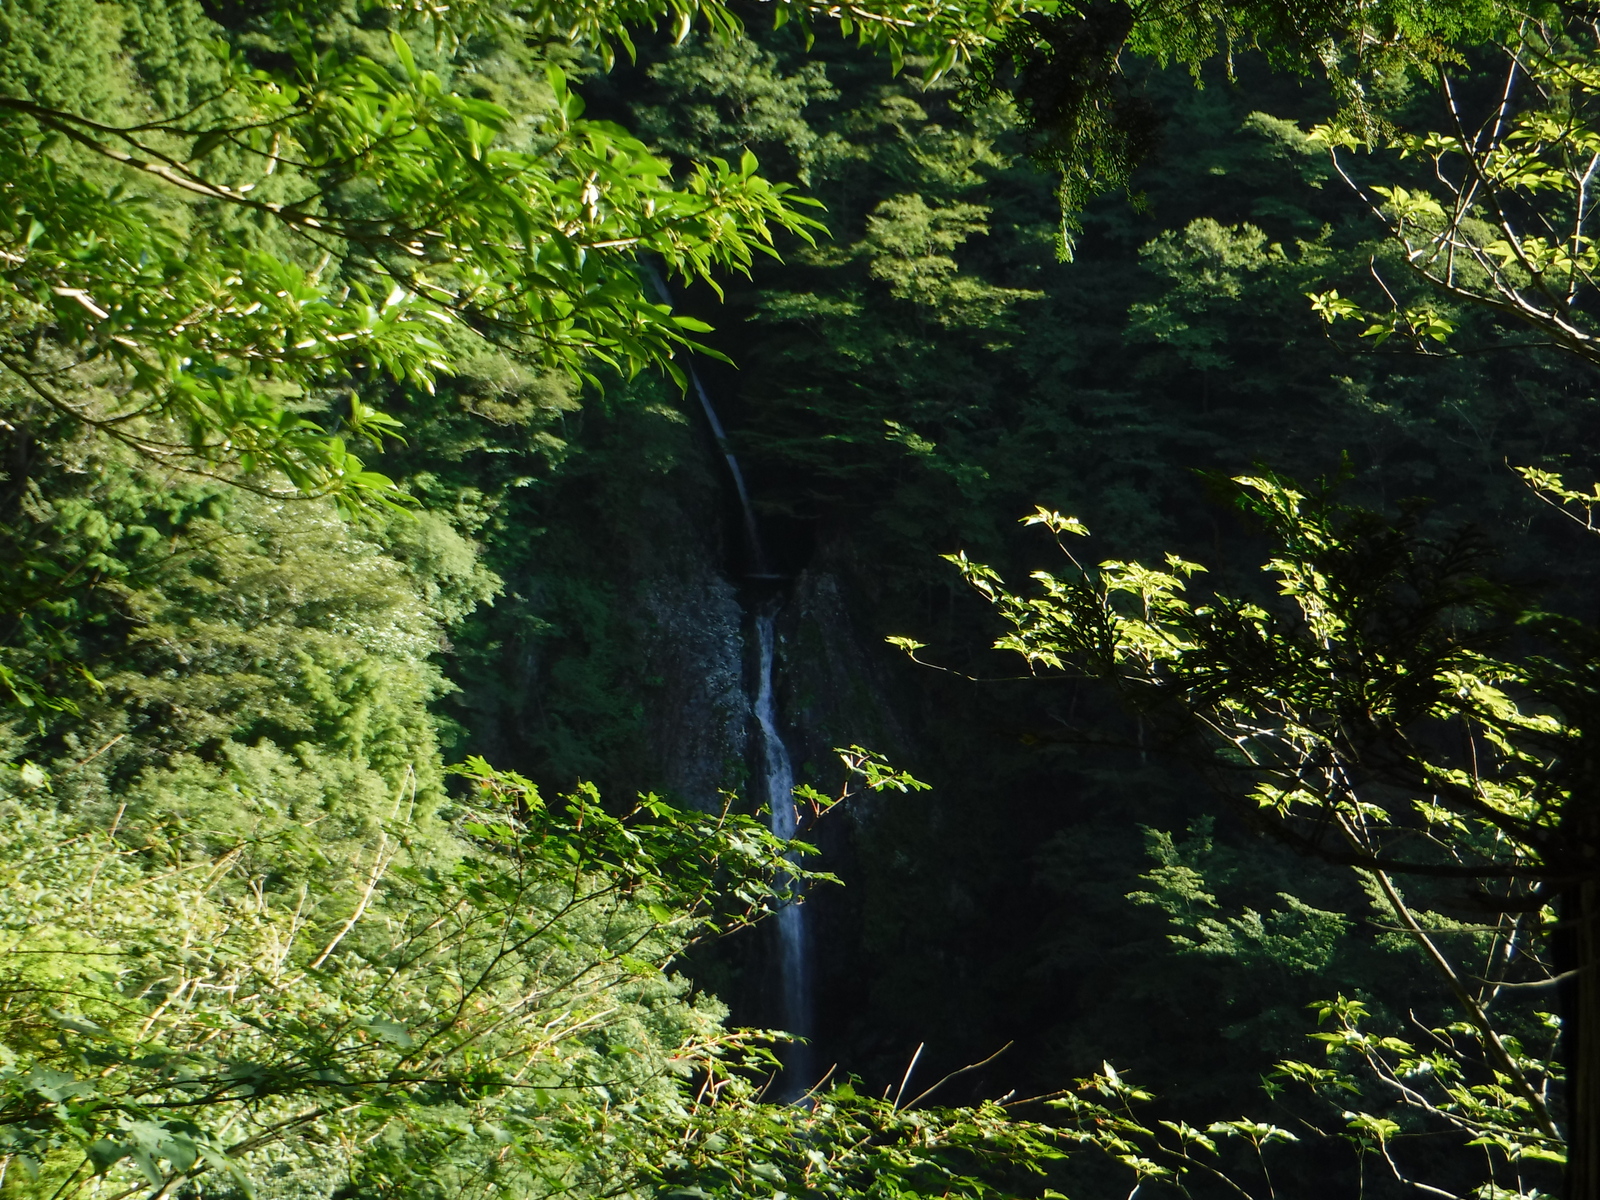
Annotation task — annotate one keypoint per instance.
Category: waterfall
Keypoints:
(752, 532)
(776, 777)
(794, 958)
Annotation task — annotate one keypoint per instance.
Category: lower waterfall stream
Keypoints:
(777, 781)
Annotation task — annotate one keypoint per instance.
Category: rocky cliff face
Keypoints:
(616, 653)
(697, 719)
(625, 653)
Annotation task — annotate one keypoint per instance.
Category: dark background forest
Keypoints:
(912, 387)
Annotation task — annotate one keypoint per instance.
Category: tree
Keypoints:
(1397, 639)
(489, 1017)
(1390, 709)
(327, 212)
(319, 218)
(1496, 209)
(1068, 66)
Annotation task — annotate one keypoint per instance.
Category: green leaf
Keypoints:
(392, 1032)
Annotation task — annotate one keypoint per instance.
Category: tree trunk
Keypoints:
(1582, 1019)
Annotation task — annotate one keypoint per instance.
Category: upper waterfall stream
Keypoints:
(747, 512)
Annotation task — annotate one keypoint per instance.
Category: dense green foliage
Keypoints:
(260, 939)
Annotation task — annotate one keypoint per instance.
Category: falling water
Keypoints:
(752, 532)
(777, 770)
(794, 960)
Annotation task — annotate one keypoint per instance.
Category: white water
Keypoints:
(794, 958)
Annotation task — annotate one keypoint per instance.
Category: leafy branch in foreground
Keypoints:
(947, 33)
(495, 1016)
(1368, 714)
(163, 1019)
(414, 230)
(1496, 208)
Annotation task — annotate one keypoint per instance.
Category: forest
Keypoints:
(692, 599)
